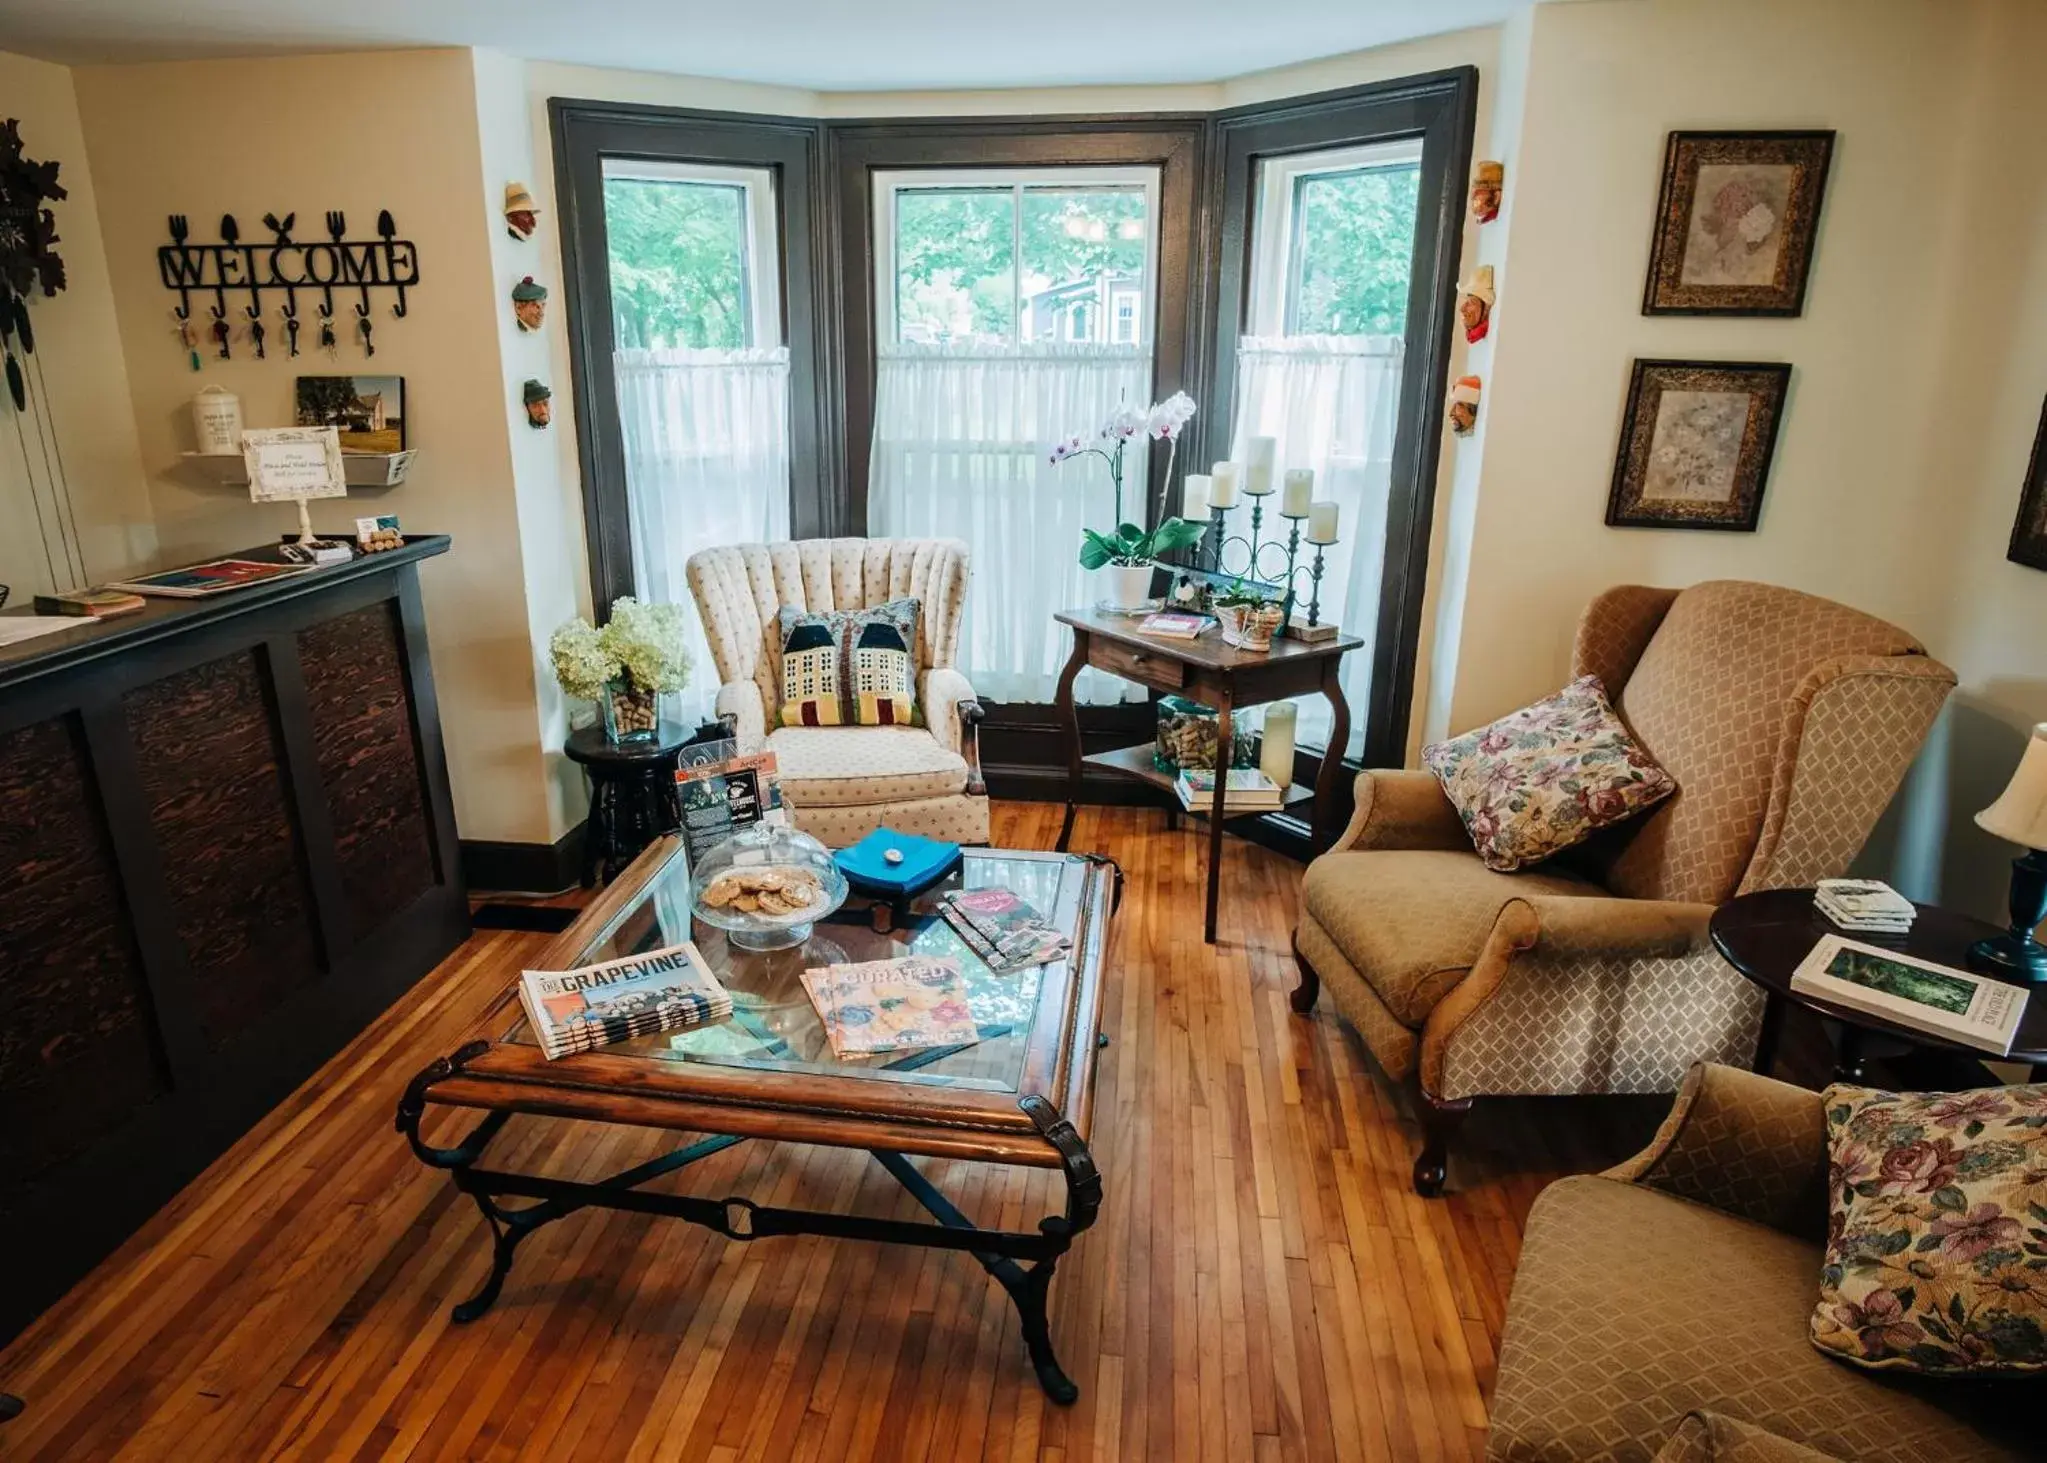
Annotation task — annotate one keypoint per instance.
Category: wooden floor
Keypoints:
(1262, 1284)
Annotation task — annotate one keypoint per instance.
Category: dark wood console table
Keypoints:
(1214, 674)
(226, 845)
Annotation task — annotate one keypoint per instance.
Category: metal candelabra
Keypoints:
(1237, 554)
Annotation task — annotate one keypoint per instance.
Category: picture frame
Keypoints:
(1696, 444)
(291, 464)
(2029, 529)
(1736, 222)
(367, 410)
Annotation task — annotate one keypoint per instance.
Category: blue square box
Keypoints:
(925, 861)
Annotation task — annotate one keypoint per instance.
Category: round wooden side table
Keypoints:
(1766, 935)
(632, 795)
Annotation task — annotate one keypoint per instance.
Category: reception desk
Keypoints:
(226, 844)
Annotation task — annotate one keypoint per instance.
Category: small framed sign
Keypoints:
(291, 464)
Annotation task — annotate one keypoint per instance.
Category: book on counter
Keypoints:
(98, 604)
(1248, 791)
(1867, 906)
(874, 1006)
(1172, 626)
(1005, 930)
(615, 1000)
(1939, 999)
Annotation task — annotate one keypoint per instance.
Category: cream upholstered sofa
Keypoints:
(843, 782)
(1787, 722)
(1683, 1283)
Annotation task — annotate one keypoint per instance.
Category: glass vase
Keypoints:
(630, 713)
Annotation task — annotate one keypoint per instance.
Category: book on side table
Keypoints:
(1248, 791)
(1957, 1004)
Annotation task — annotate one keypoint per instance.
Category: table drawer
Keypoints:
(1159, 670)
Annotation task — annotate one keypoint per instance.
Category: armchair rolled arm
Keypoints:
(1746, 1145)
(1629, 929)
(1402, 809)
(954, 714)
(741, 700)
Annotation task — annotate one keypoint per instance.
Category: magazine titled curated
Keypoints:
(876, 1006)
(722, 792)
(595, 1005)
(1938, 999)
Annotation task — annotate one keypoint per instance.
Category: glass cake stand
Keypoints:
(766, 886)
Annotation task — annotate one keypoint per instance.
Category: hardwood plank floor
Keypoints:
(1262, 1283)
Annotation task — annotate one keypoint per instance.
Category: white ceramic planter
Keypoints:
(1129, 586)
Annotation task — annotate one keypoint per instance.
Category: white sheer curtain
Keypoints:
(706, 463)
(960, 433)
(1330, 400)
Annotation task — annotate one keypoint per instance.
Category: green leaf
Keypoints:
(1176, 533)
(1130, 533)
(1096, 550)
(1950, 1198)
(1955, 1309)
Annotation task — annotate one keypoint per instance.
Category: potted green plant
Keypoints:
(1128, 553)
(640, 654)
(1247, 617)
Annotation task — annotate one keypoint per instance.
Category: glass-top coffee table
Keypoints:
(1021, 1094)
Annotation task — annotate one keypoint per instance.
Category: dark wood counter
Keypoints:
(226, 844)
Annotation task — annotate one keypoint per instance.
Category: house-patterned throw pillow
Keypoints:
(1937, 1236)
(850, 667)
(1547, 777)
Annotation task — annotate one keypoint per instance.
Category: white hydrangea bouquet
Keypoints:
(640, 653)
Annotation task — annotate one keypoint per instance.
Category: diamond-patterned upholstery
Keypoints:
(1633, 1306)
(1788, 722)
(1707, 1437)
(842, 789)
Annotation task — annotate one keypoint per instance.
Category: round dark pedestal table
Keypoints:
(632, 795)
(1766, 935)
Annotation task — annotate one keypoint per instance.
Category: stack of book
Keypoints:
(1247, 791)
(1004, 930)
(1866, 906)
(595, 1005)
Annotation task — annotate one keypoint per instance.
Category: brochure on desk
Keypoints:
(1938, 999)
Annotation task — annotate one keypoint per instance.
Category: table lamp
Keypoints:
(2020, 816)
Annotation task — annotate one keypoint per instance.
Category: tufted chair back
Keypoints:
(741, 590)
(1786, 719)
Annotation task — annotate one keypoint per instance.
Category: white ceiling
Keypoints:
(825, 45)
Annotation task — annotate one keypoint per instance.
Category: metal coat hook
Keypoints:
(362, 323)
(285, 264)
(220, 330)
(388, 232)
(179, 231)
(255, 314)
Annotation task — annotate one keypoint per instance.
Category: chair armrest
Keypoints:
(1746, 1145)
(741, 700)
(1402, 809)
(1626, 929)
(953, 713)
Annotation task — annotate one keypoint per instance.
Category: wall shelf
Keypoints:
(369, 471)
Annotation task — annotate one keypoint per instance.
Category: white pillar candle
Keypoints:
(1194, 499)
(1259, 456)
(1298, 488)
(1276, 751)
(1322, 523)
(1222, 485)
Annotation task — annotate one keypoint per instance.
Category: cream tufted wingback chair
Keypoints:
(1787, 721)
(843, 782)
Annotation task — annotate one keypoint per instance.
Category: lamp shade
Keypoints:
(2020, 813)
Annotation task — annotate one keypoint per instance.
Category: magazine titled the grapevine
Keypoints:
(1957, 1004)
(594, 1005)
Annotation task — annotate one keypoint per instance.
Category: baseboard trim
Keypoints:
(523, 868)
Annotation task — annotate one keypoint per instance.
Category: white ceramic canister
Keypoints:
(217, 420)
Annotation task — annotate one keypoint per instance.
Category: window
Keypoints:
(684, 243)
(1014, 308)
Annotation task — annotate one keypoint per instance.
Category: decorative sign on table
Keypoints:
(291, 465)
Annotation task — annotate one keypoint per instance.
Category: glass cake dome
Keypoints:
(765, 886)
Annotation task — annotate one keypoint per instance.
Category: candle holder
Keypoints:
(1270, 561)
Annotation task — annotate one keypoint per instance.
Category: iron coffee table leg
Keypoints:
(10, 1406)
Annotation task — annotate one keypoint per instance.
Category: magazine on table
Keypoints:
(216, 576)
(595, 1005)
(1171, 625)
(874, 1006)
(1006, 931)
(1938, 999)
(721, 792)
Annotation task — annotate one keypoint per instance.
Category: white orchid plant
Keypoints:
(1129, 545)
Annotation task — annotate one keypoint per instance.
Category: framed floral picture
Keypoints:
(1736, 222)
(2029, 533)
(1696, 444)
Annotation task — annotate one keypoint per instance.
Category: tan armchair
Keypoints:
(1787, 721)
(843, 782)
(1666, 1304)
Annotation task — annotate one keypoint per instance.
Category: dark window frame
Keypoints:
(792, 149)
(1440, 109)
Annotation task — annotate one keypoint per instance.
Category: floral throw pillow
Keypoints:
(1937, 1238)
(1547, 777)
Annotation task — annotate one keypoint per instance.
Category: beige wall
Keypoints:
(359, 133)
(1895, 477)
(71, 485)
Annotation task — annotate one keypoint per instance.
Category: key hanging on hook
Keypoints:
(256, 330)
(363, 324)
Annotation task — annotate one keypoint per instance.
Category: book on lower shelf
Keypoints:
(1247, 791)
(1938, 999)
(873, 1006)
(591, 1006)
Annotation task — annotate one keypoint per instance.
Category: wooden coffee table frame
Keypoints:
(730, 1104)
